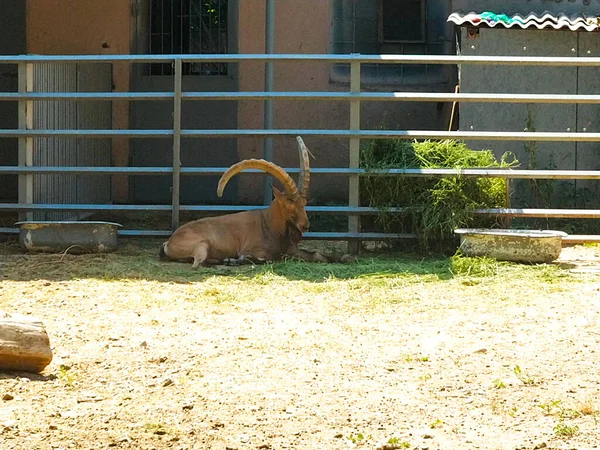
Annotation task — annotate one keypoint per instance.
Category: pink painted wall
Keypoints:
(305, 27)
(301, 27)
(86, 27)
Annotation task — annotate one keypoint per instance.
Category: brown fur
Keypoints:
(252, 236)
(260, 235)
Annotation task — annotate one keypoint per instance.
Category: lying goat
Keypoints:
(251, 236)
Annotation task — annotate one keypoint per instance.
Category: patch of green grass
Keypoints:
(156, 428)
(569, 413)
(473, 266)
(550, 406)
(437, 423)
(140, 262)
(409, 357)
(135, 276)
(499, 384)
(566, 431)
(525, 378)
(433, 207)
(375, 269)
(395, 443)
(555, 407)
(217, 295)
(553, 273)
(359, 438)
(65, 374)
(425, 377)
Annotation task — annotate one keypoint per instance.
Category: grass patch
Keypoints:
(137, 260)
(524, 377)
(473, 266)
(565, 431)
(435, 206)
(135, 276)
(499, 384)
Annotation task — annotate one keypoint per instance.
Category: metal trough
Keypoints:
(528, 246)
(74, 236)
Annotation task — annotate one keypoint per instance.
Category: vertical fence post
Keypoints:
(269, 85)
(25, 156)
(508, 219)
(353, 186)
(176, 144)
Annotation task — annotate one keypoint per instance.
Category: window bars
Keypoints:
(188, 27)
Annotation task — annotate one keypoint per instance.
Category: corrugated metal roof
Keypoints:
(547, 19)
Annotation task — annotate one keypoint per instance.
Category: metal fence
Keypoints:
(48, 114)
(26, 170)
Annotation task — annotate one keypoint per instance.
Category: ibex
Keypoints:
(251, 236)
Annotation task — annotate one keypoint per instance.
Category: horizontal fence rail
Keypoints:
(312, 235)
(472, 173)
(354, 96)
(320, 96)
(322, 235)
(325, 58)
(341, 134)
(349, 210)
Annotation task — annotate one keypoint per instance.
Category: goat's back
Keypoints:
(226, 235)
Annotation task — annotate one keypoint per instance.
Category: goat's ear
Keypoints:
(277, 192)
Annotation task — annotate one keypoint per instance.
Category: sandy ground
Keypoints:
(146, 365)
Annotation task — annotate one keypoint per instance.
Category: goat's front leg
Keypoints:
(305, 255)
(243, 260)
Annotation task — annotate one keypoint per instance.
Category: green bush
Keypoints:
(433, 206)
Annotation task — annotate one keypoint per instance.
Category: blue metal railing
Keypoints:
(354, 134)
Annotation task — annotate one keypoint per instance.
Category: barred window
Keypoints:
(389, 27)
(402, 21)
(188, 27)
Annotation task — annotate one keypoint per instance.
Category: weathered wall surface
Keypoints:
(301, 27)
(305, 27)
(536, 117)
(88, 27)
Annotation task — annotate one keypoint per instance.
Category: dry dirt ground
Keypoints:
(393, 360)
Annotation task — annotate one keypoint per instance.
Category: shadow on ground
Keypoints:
(11, 375)
(138, 259)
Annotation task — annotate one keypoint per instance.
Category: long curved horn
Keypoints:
(304, 176)
(269, 167)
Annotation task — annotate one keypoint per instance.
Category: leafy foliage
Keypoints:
(433, 206)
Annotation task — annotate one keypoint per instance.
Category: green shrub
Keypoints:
(433, 207)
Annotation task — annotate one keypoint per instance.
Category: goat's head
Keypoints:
(290, 203)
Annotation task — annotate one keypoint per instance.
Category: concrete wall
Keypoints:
(301, 27)
(88, 27)
(305, 27)
(540, 117)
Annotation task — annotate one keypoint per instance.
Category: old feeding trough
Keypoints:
(74, 236)
(528, 246)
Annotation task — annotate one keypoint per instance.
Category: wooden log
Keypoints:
(24, 344)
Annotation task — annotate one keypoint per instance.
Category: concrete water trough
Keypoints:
(528, 246)
(74, 236)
